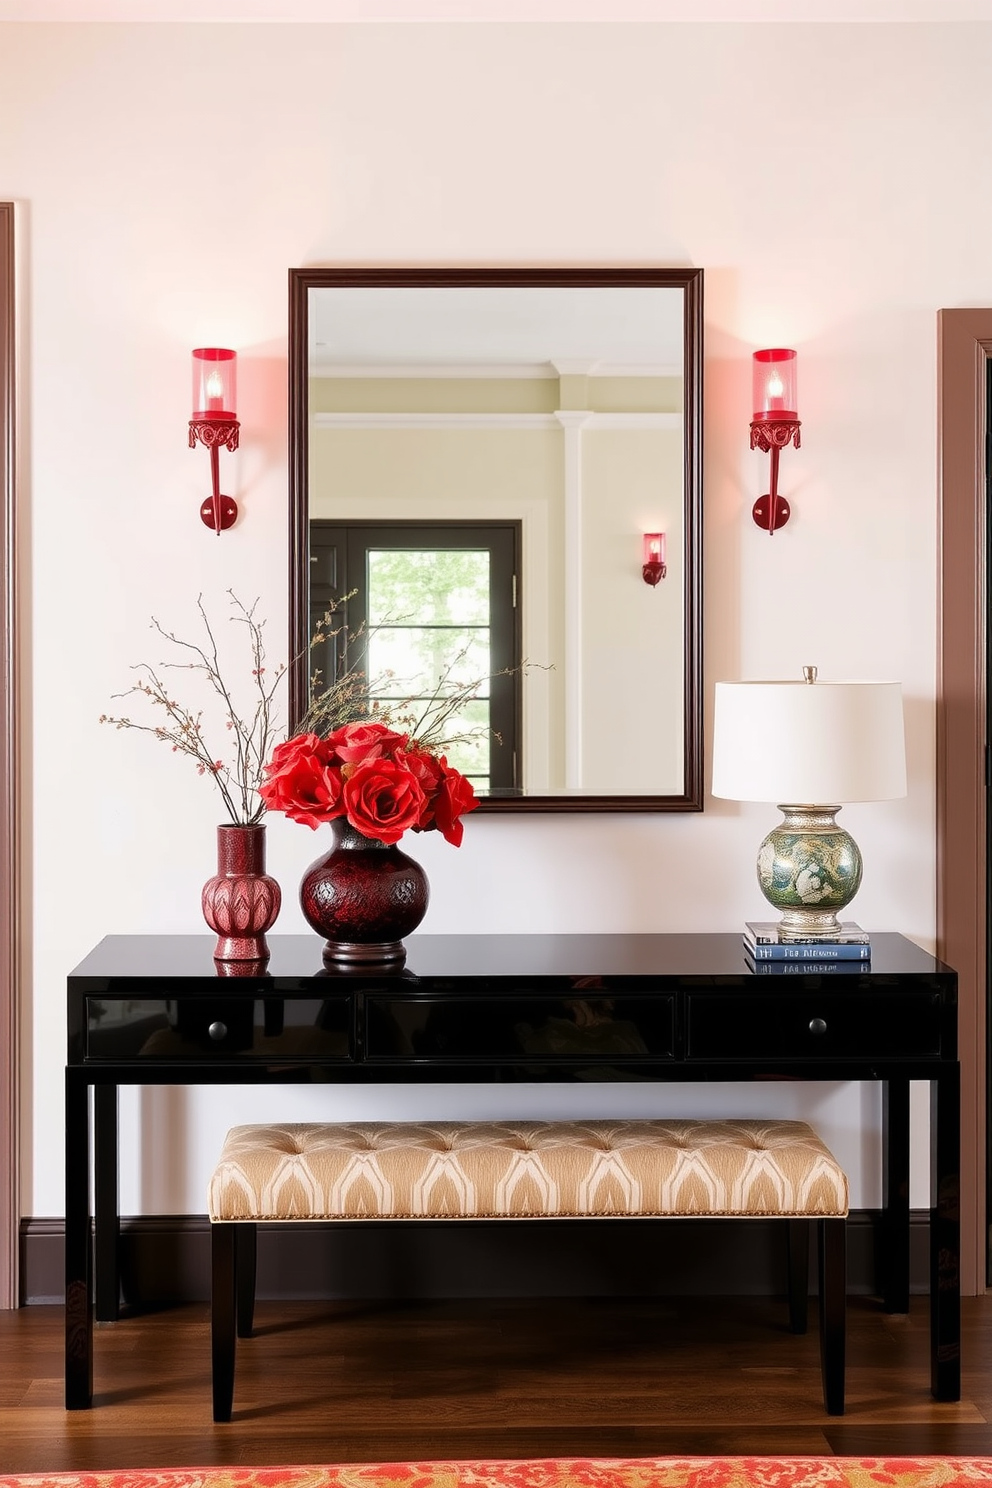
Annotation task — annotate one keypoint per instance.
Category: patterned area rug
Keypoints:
(643, 1472)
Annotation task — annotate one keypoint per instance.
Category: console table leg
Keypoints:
(893, 1253)
(945, 1234)
(78, 1293)
(106, 1206)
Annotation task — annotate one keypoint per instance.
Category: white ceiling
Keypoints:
(495, 10)
(568, 328)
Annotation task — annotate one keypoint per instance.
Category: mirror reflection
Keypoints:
(476, 457)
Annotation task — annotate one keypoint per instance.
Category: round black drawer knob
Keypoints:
(218, 1030)
(817, 1025)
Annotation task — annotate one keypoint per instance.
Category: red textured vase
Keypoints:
(363, 896)
(241, 901)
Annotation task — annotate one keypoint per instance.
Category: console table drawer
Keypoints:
(589, 1030)
(301, 1030)
(807, 1023)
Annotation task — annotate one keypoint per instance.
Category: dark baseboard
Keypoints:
(166, 1258)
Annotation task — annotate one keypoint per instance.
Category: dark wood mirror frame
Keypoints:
(690, 281)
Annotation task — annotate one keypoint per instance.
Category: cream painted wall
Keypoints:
(167, 178)
(632, 634)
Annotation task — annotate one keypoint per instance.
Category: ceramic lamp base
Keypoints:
(809, 868)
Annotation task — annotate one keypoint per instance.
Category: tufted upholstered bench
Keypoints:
(519, 1170)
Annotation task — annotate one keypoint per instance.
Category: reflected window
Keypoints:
(425, 605)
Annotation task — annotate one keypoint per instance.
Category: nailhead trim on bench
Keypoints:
(635, 1169)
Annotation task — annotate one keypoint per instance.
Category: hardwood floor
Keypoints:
(341, 1382)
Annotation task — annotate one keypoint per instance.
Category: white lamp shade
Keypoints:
(809, 743)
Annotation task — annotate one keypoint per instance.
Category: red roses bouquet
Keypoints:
(383, 781)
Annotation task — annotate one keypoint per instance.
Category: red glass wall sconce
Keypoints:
(654, 567)
(775, 425)
(215, 424)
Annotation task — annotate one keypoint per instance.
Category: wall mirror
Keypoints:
(523, 428)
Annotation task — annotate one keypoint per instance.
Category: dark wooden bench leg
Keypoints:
(223, 1340)
(799, 1274)
(245, 1252)
(833, 1311)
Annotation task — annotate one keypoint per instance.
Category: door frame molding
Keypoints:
(964, 352)
(9, 876)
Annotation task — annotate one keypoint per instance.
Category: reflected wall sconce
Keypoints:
(775, 425)
(654, 568)
(215, 424)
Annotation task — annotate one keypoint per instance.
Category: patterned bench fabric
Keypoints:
(524, 1170)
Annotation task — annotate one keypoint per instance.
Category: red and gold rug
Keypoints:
(642, 1472)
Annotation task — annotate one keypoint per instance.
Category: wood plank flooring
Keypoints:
(346, 1382)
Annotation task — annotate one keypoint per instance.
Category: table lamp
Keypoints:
(810, 746)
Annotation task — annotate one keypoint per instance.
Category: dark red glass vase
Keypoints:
(241, 901)
(363, 896)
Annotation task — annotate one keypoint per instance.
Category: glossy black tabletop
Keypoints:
(147, 958)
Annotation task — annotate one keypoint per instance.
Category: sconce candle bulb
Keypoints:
(214, 424)
(654, 567)
(775, 425)
(215, 390)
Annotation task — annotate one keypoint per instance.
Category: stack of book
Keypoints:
(767, 951)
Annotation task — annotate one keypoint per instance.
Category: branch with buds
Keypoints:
(252, 734)
(351, 696)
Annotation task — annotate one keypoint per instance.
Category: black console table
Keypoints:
(155, 1010)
